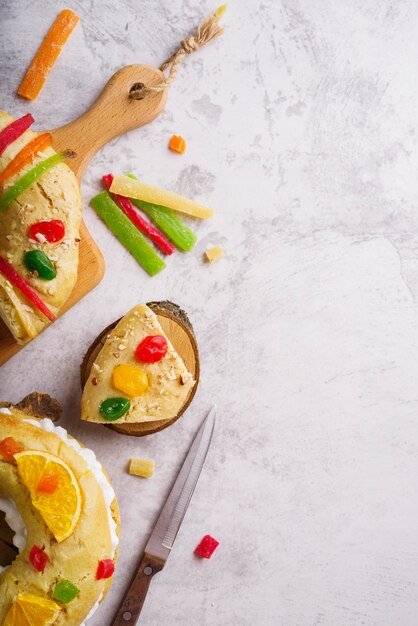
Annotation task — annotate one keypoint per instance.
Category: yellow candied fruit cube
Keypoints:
(142, 467)
(214, 254)
(130, 380)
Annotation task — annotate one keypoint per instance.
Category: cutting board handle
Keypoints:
(131, 607)
(112, 114)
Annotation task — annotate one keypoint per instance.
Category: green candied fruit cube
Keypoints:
(65, 591)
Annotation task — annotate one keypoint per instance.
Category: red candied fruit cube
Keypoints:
(206, 547)
(105, 569)
(38, 558)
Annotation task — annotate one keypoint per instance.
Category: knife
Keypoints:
(168, 524)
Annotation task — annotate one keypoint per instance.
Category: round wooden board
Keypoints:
(178, 329)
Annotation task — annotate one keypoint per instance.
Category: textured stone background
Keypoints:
(302, 128)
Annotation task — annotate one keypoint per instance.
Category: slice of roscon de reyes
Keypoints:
(51, 487)
(25, 227)
(137, 376)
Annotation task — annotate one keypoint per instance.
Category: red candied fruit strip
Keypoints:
(105, 569)
(14, 130)
(206, 547)
(126, 205)
(38, 558)
(18, 281)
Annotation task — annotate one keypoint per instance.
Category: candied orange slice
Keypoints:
(60, 509)
(30, 610)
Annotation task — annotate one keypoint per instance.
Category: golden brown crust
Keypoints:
(76, 558)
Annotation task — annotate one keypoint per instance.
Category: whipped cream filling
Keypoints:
(14, 519)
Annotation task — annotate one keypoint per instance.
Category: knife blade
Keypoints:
(168, 523)
(165, 531)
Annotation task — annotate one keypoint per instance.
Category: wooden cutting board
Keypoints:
(111, 115)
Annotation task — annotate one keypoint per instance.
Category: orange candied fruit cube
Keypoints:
(177, 144)
(9, 447)
(48, 483)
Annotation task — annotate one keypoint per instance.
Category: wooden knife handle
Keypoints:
(131, 607)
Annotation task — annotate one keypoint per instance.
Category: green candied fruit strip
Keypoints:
(127, 233)
(65, 591)
(167, 221)
(32, 176)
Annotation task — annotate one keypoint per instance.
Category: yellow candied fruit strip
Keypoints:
(137, 190)
(142, 467)
(214, 254)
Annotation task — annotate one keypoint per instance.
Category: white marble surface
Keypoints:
(302, 129)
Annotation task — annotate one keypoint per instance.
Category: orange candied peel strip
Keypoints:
(25, 156)
(177, 144)
(48, 52)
